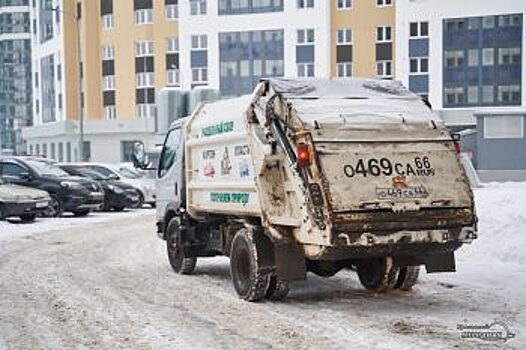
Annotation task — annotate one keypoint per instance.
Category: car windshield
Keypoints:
(128, 173)
(42, 168)
(92, 174)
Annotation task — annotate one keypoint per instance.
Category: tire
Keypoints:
(139, 203)
(81, 213)
(249, 283)
(407, 277)
(27, 218)
(176, 255)
(54, 208)
(119, 208)
(106, 206)
(153, 205)
(277, 290)
(2, 212)
(378, 274)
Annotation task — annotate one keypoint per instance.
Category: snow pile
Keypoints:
(501, 209)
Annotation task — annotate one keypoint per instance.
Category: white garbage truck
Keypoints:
(314, 175)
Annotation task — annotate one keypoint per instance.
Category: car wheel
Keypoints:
(119, 208)
(2, 213)
(28, 217)
(139, 203)
(81, 213)
(54, 208)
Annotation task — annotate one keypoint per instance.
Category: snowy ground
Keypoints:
(103, 283)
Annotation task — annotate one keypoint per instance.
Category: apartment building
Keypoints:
(468, 59)
(102, 61)
(15, 74)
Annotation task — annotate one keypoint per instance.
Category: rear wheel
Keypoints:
(119, 208)
(277, 290)
(81, 213)
(54, 208)
(407, 277)
(377, 274)
(28, 217)
(176, 255)
(249, 282)
(139, 203)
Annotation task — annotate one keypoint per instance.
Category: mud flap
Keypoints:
(290, 262)
(444, 262)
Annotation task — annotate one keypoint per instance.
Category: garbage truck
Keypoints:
(314, 175)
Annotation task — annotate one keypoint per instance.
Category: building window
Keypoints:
(383, 34)
(145, 80)
(199, 42)
(109, 82)
(488, 56)
(473, 57)
(384, 69)
(344, 36)
(419, 29)
(344, 4)
(171, 12)
(110, 112)
(305, 4)
(127, 149)
(200, 75)
(509, 93)
(455, 95)
(145, 110)
(504, 127)
(511, 55)
(172, 45)
(305, 36)
(488, 94)
(454, 58)
(172, 77)
(510, 21)
(344, 69)
(108, 52)
(144, 16)
(473, 94)
(197, 7)
(143, 48)
(305, 69)
(381, 3)
(107, 22)
(488, 22)
(419, 65)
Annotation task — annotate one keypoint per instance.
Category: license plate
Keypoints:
(42, 204)
(401, 193)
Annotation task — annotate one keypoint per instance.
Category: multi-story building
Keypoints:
(128, 50)
(468, 59)
(15, 74)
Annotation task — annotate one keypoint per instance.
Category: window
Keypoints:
(305, 36)
(454, 58)
(172, 45)
(344, 4)
(384, 69)
(488, 94)
(144, 16)
(419, 65)
(473, 94)
(110, 112)
(197, 7)
(509, 93)
(305, 69)
(504, 127)
(109, 82)
(510, 55)
(344, 69)
(169, 152)
(419, 29)
(199, 42)
(488, 22)
(473, 57)
(108, 52)
(12, 170)
(127, 149)
(143, 48)
(383, 34)
(488, 57)
(384, 3)
(145, 110)
(455, 95)
(171, 12)
(274, 67)
(344, 36)
(510, 21)
(107, 22)
(305, 4)
(145, 80)
(172, 77)
(200, 75)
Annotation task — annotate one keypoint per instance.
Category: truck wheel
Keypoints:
(27, 218)
(407, 277)
(176, 255)
(377, 274)
(277, 290)
(249, 283)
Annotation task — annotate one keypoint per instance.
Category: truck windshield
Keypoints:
(42, 168)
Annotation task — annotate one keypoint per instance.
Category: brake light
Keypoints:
(457, 147)
(456, 142)
(303, 155)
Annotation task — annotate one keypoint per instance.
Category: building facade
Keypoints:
(15, 74)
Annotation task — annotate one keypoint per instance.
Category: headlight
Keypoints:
(115, 189)
(71, 185)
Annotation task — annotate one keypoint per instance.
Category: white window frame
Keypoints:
(304, 4)
(107, 21)
(302, 36)
(145, 110)
(519, 132)
(202, 42)
(384, 34)
(145, 80)
(143, 16)
(108, 83)
(384, 64)
(384, 3)
(108, 52)
(173, 77)
(346, 68)
(201, 72)
(346, 39)
(172, 45)
(345, 5)
(144, 48)
(419, 66)
(110, 112)
(199, 9)
(304, 68)
(419, 30)
(171, 12)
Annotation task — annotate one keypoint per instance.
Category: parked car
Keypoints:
(145, 186)
(21, 201)
(117, 194)
(68, 194)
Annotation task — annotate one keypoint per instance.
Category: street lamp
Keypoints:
(77, 17)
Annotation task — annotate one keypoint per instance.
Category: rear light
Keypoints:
(456, 142)
(303, 155)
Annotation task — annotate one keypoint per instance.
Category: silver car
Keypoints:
(21, 201)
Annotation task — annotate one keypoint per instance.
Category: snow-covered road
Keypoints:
(104, 283)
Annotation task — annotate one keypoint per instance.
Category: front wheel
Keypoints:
(139, 203)
(176, 255)
(27, 218)
(81, 213)
(378, 274)
(249, 282)
(54, 208)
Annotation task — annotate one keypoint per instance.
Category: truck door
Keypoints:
(169, 184)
